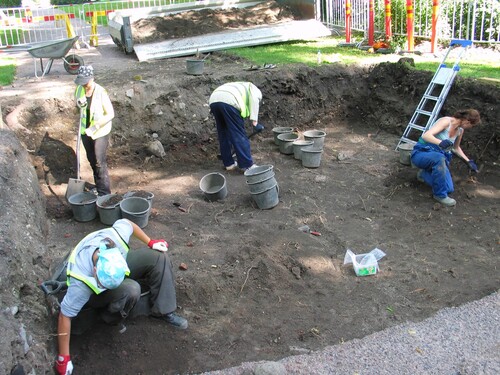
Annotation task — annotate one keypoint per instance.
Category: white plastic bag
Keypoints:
(364, 264)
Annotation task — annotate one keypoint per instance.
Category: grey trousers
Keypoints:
(150, 268)
(154, 269)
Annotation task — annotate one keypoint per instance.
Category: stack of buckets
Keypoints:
(263, 186)
(309, 149)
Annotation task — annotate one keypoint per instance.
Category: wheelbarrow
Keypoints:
(56, 50)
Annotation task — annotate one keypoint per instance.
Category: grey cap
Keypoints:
(85, 74)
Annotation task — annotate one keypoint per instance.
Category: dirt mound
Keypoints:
(204, 21)
(24, 321)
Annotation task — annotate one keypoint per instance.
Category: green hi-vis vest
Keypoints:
(95, 111)
(91, 282)
(240, 91)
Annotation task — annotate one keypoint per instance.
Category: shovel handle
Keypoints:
(50, 287)
(78, 141)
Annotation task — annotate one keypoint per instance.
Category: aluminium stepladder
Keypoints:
(433, 99)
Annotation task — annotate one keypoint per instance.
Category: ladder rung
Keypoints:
(421, 111)
(436, 98)
(415, 126)
(407, 140)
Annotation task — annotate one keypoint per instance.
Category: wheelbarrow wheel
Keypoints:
(72, 63)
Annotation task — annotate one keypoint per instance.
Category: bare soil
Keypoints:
(255, 287)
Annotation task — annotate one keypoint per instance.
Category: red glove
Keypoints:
(64, 365)
(159, 245)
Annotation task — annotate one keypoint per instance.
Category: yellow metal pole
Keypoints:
(69, 27)
(94, 40)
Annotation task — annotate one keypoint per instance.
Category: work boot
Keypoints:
(175, 320)
(446, 201)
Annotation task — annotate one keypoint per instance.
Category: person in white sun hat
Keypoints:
(96, 113)
(102, 274)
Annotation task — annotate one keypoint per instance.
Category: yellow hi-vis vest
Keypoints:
(240, 91)
(91, 282)
(96, 111)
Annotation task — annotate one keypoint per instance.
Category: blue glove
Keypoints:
(446, 144)
(473, 167)
(258, 128)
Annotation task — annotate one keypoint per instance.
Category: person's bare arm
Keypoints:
(458, 150)
(63, 334)
(430, 135)
(139, 233)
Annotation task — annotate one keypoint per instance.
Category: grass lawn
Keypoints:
(7, 70)
(474, 66)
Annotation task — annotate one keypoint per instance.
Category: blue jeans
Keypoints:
(231, 132)
(434, 163)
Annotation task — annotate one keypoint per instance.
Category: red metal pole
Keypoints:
(371, 22)
(348, 21)
(409, 24)
(435, 15)
(388, 25)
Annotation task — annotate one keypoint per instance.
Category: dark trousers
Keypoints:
(231, 133)
(147, 267)
(96, 155)
(154, 269)
(114, 305)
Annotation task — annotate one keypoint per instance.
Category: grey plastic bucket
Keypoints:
(259, 173)
(108, 211)
(298, 145)
(317, 136)
(83, 206)
(141, 194)
(266, 198)
(405, 150)
(311, 157)
(136, 209)
(214, 186)
(280, 130)
(194, 67)
(258, 186)
(285, 141)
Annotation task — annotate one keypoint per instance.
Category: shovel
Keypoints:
(75, 185)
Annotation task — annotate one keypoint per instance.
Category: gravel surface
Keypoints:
(461, 340)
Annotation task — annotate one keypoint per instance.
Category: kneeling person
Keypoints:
(102, 274)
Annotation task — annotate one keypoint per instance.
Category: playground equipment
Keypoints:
(56, 50)
(370, 30)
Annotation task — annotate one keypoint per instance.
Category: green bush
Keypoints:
(68, 2)
(10, 3)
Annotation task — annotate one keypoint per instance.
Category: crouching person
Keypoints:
(102, 274)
